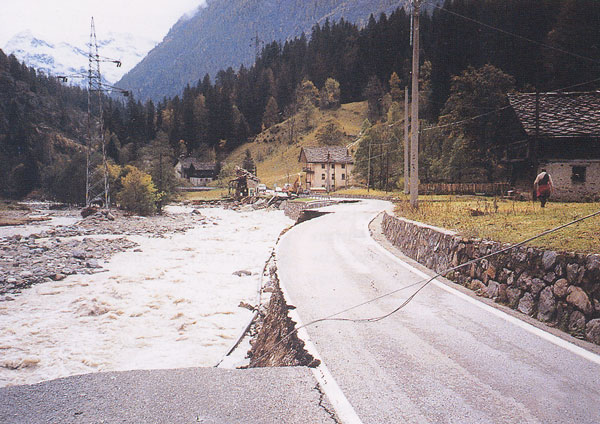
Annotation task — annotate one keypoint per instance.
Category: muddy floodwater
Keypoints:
(172, 302)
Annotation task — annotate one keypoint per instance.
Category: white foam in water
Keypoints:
(173, 305)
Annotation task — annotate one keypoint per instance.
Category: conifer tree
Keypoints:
(396, 91)
(271, 115)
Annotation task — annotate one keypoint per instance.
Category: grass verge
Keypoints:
(511, 221)
(204, 195)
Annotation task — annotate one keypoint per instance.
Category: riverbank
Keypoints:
(168, 297)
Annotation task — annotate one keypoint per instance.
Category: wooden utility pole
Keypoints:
(369, 167)
(328, 175)
(406, 141)
(414, 146)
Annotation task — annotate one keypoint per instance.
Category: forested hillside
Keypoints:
(473, 53)
(221, 36)
(41, 124)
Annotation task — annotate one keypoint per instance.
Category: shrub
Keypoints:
(138, 194)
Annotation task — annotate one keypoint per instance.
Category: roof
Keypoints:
(331, 154)
(241, 174)
(198, 164)
(560, 114)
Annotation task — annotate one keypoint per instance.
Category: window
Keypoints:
(578, 174)
(322, 176)
(343, 176)
(343, 166)
(322, 166)
(333, 176)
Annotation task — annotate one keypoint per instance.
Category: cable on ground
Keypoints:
(424, 283)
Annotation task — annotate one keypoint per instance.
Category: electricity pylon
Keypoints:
(97, 185)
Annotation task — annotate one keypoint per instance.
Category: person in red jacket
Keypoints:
(543, 187)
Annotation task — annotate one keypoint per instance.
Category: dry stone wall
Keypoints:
(559, 288)
(294, 209)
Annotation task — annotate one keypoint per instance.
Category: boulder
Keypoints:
(87, 211)
(592, 263)
(78, 254)
(579, 299)
(537, 286)
(592, 331)
(491, 271)
(526, 304)
(26, 274)
(546, 305)
(513, 295)
(493, 289)
(577, 324)
(560, 288)
(524, 281)
(549, 259)
(502, 297)
(92, 263)
(477, 285)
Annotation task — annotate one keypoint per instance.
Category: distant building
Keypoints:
(244, 184)
(196, 172)
(327, 167)
(561, 133)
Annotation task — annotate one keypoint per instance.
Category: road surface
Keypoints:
(444, 358)
(179, 396)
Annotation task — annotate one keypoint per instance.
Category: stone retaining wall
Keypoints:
(559, 288)
(294, 209)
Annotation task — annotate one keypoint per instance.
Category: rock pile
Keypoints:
(30, 260)
(57, 252)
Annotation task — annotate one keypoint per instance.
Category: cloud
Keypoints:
(69, 20)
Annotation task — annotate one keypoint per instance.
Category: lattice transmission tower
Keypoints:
(97, 185)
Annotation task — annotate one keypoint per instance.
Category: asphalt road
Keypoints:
(180, 396)
(445, 357)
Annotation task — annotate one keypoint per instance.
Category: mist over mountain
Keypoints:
(70, 58)
(221, 36)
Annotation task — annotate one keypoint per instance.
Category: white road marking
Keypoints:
(590, 356)
(344, 410)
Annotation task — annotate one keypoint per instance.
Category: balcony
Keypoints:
(308, 170)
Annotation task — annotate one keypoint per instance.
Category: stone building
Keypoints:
(196, 172)
(561, 133)
(328, 167)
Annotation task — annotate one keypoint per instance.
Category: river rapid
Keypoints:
(172, 302)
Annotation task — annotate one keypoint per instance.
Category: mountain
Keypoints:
(221, 35)
(67, 59)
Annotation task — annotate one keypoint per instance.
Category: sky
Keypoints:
(69, 20)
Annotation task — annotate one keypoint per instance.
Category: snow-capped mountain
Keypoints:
(70, 58)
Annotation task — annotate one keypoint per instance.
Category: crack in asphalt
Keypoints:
(321, 397)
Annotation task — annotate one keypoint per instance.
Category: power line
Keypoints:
(424, 283)
(466, 119)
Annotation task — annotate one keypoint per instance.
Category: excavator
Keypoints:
(295, 188)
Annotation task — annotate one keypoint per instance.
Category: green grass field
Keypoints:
(511, 221)
(204, 195)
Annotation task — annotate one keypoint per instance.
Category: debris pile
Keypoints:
(244, 184)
